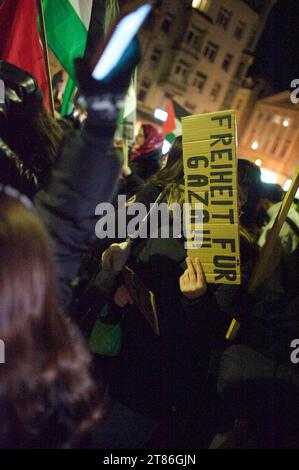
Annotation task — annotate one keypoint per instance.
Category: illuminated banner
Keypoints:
(210, 168)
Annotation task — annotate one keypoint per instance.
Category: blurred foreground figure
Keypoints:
(47, 397)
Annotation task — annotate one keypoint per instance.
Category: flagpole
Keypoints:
(46, 53)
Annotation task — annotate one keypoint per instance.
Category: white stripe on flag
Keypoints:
(83, 9)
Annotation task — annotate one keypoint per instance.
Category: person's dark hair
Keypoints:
(47, 397)
(28, 129)
(34, 135)
(249, 181)
(171, 177)
(273, 192)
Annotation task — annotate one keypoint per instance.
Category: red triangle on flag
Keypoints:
(169, 125)
(20, 42)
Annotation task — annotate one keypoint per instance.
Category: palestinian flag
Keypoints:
(20, 42)
(172, 127)
(74, 28)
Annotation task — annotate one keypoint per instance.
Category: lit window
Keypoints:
(210, 51)
(239, 31)
(227, 62)
(277, 119)
(224, 17)
(202, 5)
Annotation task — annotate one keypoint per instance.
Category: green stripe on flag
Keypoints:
(66, 33)
(67, 37)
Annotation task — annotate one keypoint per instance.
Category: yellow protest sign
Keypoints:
(210, 169)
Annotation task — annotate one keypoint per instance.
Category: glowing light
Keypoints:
(255, 145)
(285, 123)
(277, 119)
(258, 162)
(268, 176)
(161, 115)
(166, 147)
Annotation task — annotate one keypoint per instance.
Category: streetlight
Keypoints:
(285, 123)
(258, 162)
(255, 145)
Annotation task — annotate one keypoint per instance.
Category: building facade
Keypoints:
(198, 53)
(269, 133)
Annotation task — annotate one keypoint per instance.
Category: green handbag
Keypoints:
(105, 338)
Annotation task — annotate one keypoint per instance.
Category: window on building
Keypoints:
(285, 148)
(190, 106)
(227, 62)
(182, 69)
(239, 104)
(143, 89)
(224, 17)
(155, 58)
(210, 51)
(167, 23)
(194, 37)
(252, 40)
(275, 144)
(240, 29)
(239, 75)
(215, 91)
(199, 81)
(277, 119)
(190, 36)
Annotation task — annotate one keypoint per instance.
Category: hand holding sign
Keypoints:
(193, 282)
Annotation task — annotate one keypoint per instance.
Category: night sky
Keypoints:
(277, 54)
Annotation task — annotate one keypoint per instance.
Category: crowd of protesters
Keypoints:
(63, 294)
